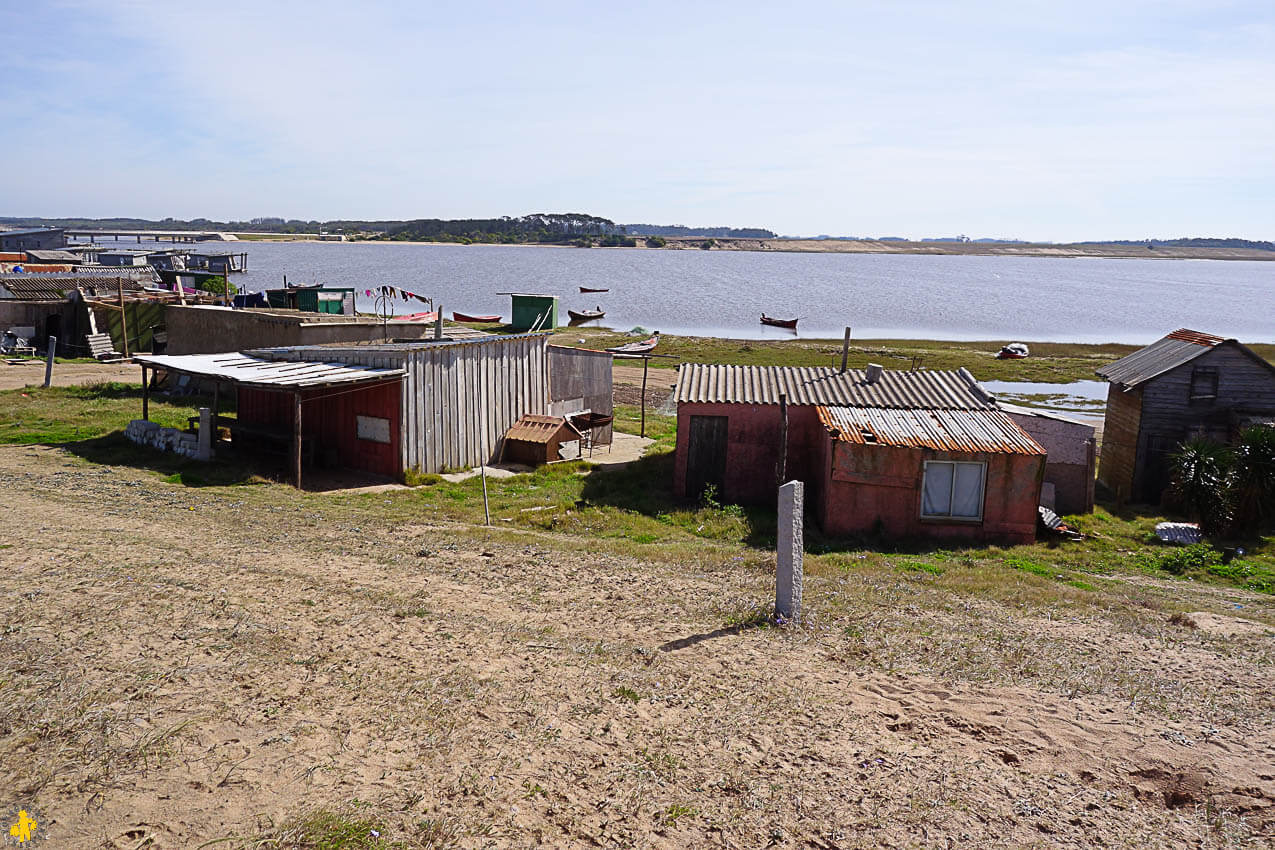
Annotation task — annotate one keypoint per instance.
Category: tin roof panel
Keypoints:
(942, 430)
(1168, 352)
(275, 374)
(925, 389)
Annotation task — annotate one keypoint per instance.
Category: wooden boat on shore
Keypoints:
(483, 320)
(643, 347)
(585, 315)
(416, 317)
(587, 289)
(791, 324)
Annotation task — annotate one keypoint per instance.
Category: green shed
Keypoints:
(313, 299)
(529, 311)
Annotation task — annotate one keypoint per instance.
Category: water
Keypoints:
(723, 293)
(1079, 399)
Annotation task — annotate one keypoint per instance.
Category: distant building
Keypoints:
(1182, 385)
(37, 238)
(313, 299)
(123, 257)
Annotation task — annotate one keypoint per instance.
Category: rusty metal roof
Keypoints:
(1168, 352)
(944, 430)
(536, 428)
(40, 287)
(925, 389)
(268, 374)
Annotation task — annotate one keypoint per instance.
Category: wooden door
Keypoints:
(706, 455)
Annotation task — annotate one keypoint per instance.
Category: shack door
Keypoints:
(706, 455)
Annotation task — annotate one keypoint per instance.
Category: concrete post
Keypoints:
(788, 565)
(205, 434)
(48, 363)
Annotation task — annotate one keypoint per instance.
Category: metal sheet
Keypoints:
(937, 390)
(1168, 352)
(943, 430)
(253, 371)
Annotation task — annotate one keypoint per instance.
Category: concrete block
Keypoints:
(788, 566)
(205, 434)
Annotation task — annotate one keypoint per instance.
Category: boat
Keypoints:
(587, 289)
(642, 347)
(791, 324)
(585, 315)
(416, 317)
(1013, 351)
(483, 320)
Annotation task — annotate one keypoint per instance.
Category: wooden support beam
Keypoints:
(646, 361)
(146, 395)
(296, 438)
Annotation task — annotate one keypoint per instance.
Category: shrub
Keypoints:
(656, 241)
(1201, 479)
(1198, 557)
(1253, 479)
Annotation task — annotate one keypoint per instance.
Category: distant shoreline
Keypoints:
(861, 246)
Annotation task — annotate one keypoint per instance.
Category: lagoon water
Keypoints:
(723, 293)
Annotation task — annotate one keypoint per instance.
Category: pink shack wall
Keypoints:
(864, 484)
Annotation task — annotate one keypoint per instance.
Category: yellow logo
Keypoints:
(23, 829)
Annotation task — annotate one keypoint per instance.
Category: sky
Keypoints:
(1030, 120)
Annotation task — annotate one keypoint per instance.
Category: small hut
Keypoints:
(535, 439)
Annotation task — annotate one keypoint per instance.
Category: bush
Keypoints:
(656, 241)
(1198, 557)
(707, 244)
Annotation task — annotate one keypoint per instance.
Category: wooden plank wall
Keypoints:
(1120, 440)
(459, 398)
(579, 373)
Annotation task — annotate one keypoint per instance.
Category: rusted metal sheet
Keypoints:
(942, 430)
(536, 428)
(1168, 352)
(937, 390)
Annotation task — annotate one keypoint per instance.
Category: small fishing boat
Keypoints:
(585, 315)
(416, 317)
(1013, 351)
(587, 289)
(643, 347)
(791, 324)
(484, 320)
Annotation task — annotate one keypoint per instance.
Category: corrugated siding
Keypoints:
(935, 390)
(942, 430)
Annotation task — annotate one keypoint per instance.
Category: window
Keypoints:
(953, 489)
(1204, 383)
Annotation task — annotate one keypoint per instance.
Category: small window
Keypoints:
(953, 490)
(1204, 383)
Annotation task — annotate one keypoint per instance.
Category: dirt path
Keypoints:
(31, 373)
(181, 665)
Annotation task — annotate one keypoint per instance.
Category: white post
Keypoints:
(788, 566)
(48, 363)
(205, 434)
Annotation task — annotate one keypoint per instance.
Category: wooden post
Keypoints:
(48, 362)
(119, 282)
(845, 350)
(216, 406)
(646, 361)
(146, 394)
(783, 438)
(438, 323)
(296, 438)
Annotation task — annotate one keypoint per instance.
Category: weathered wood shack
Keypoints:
(1183, 385)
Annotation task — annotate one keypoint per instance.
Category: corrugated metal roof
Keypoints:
(1168, 352)
(51, 256)
(536, 428)
(254, 371)
(937, 390)
(1041, 413)
(943, 430)
(29, 287)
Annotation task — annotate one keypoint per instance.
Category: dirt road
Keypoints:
(181, 665)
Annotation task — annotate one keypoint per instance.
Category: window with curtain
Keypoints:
(953, 489)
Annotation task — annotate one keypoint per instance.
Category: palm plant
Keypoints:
(1201, 478)
(1253, 479)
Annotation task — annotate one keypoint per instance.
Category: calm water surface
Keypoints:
(723, 293)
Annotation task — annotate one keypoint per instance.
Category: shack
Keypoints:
(35, 237)
(1185, 384)
(218, 262)
(313, 299)
(124, 257)
(329, 414)
(874, 447)
(531, 311)
(1072, 456)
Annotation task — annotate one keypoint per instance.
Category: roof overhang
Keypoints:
(274, 375)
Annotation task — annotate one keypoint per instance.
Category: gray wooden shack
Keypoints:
(34, 237)
(460, 397)
(580, 380)
(1183, 385)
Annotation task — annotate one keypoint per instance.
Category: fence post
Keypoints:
(788, 565)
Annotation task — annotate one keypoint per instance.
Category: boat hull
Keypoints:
(465, 317)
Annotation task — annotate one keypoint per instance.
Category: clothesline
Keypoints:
(400, 293)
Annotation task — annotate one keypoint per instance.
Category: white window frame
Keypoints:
(982, 490)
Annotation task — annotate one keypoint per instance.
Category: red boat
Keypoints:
(482, 320)
(791, 324)
(416, 317)
(587, 289)
(642, 347)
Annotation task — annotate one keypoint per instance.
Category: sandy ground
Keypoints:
(31, 373)
(182, 665)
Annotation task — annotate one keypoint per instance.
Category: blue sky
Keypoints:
(1029, 120)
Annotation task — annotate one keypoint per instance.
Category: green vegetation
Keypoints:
(218, 285)
(60, 415)
(1228, 490)
(656, 241)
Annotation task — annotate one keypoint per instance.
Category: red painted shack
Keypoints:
(735, 422)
